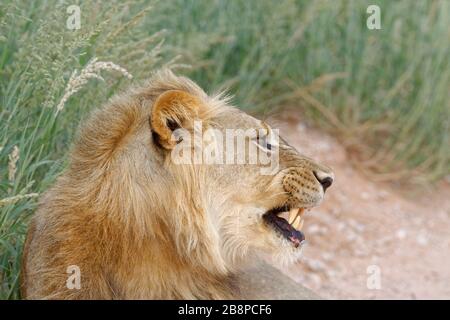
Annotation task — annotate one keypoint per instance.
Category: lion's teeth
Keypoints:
(300, 226)
(293, 214)
(298, 223)
(301, 212)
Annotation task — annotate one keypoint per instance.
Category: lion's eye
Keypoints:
(262, 141)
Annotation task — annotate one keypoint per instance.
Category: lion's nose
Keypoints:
(325, 178)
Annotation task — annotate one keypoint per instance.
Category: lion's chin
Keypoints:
(282, 253)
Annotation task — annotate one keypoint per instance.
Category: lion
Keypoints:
(132, 223)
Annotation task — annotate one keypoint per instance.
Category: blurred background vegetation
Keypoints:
(383, 93)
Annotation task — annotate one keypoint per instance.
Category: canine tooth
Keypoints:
(293, 214)
(300, 226)
(301, 212)
(298, 223)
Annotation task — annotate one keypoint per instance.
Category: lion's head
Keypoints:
(260, 207)
(200, 159)
(167, 184)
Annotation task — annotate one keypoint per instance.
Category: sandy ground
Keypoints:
(370, 240)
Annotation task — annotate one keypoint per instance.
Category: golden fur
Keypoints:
(139, 226)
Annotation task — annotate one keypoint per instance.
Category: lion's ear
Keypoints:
(172, 110)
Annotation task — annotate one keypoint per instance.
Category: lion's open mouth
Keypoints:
(288, 222)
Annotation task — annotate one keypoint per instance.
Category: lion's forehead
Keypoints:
(236, 119)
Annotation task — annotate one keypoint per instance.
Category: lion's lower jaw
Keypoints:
(287, 259)
(280, 253)
(283, 256)
(241, 251)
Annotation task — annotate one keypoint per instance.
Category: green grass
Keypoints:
(384, 93)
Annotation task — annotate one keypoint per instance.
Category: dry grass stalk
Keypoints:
(14, 199)
(12, 165)
(90, 71)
